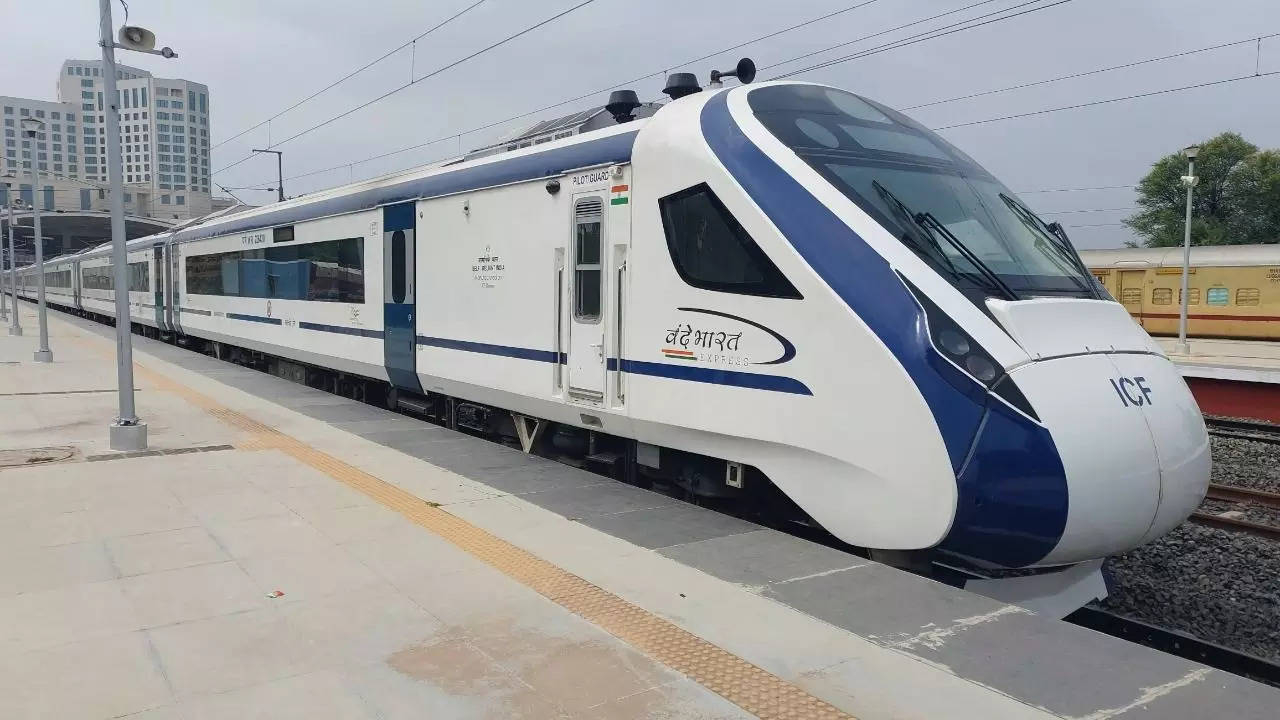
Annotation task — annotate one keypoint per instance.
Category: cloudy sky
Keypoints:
(259, 58)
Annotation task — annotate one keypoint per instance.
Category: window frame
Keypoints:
(192, 275)
(764, 264)
(399, 279)
(597, 267)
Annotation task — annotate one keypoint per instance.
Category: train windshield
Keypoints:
(956, 216)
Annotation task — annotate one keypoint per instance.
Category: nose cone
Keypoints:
(1132, 443)
(1113, 478)
(1179, 436)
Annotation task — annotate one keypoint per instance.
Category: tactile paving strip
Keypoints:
(749, 687)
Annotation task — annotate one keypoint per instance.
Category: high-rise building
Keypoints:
(164, 137)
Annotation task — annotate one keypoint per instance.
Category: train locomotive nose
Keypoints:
(1132, 443)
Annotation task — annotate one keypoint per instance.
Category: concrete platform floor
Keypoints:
(143, 587)
(1240, 360)
(424, 574)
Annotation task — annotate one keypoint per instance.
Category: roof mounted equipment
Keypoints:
(745, 72)
(621, 104)
(681, 84)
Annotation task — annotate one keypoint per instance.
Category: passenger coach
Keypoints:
(1233, 291)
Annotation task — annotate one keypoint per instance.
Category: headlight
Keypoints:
(958, 347)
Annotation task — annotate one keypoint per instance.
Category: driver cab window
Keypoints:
(712, 251)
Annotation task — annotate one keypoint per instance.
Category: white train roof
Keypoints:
(552, 159)
(1201, 256)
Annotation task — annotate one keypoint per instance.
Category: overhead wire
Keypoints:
(878, 34)
(1077, 106)
(925, 36)
(414, 81)
(1077, 189)
(1096, 71)
(957, 27)
(586, 95)
(1089, 210)
(903, 42)
(352, 74)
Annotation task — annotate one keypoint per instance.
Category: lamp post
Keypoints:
(33, 128)
(4, 289)
(127, 431)
(1189, 182)
(15, 327)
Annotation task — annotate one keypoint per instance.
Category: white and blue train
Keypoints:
(781, 292)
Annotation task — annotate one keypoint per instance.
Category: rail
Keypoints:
(1234, 493)
(1242, 495)
(1243, 429)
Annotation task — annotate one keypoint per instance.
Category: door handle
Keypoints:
(599, 348)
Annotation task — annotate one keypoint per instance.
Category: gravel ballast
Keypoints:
(1218, 585)
(1245, 463)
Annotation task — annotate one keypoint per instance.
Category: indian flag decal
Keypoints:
(620, 194)
(672, 352)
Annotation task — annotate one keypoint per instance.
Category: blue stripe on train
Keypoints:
(731, 378)
(1012, 504)
(755, 381)
(340, 329)
(546, 356)
(254, 318)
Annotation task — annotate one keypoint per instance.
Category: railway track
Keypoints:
(1243, 429)
(1240, 495)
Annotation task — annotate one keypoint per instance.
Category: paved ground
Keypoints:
(427, 574)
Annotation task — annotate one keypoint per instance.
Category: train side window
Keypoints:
(712, 251)
(1131, 296)
(139, 277)
(1247, 296)
(399, 273)
(1193, 296)
(326, 271)
(588, 215)
(1161, 296)
(1218, 296)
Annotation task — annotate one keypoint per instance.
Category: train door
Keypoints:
(75, 283)
(586, 287)
(398, 278)
(173, 310)
(1130, 284)
(157, 294)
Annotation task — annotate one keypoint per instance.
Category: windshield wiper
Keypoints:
(932, 228)
(905, 213)
(1057, 239)
(927, 219)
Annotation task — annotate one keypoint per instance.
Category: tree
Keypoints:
(1254, 196)
(1236, 201)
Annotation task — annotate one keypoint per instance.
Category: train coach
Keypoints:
(783, 296)
(1233, 291)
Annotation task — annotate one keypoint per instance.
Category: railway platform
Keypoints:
(1232, 378)
(282, 552)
